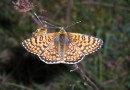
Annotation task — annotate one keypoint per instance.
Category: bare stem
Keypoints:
(85, 77)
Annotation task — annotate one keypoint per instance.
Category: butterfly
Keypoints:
(62, 47)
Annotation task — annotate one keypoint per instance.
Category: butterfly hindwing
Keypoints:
(86, 43)
(71, 56)
(50, 55)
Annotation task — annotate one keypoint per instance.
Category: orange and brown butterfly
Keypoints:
(62, 47)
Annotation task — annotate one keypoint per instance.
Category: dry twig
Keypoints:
(87, 80)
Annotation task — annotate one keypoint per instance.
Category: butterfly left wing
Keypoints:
(86, 43)
(38, 44)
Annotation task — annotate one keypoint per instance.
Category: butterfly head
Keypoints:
(62, 30)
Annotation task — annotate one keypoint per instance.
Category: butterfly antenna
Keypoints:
(38, 18)
(73, 24)
(48, 23)
(54, 27)
(44, 21)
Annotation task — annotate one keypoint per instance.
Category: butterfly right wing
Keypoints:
(38, 44)
(86, 43)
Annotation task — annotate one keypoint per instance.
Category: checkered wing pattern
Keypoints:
(71, 56)
(38, 45)
(86, 43)
(79, 46)
(50, 55)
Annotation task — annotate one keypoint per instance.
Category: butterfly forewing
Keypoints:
(38, 44)
(86, 43)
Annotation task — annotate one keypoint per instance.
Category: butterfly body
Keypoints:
(61, 42)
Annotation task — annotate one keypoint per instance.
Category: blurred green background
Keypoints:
(108, 68)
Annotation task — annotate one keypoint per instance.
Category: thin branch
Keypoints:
(88, 81)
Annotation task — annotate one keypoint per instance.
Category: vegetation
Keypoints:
(108, 68)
